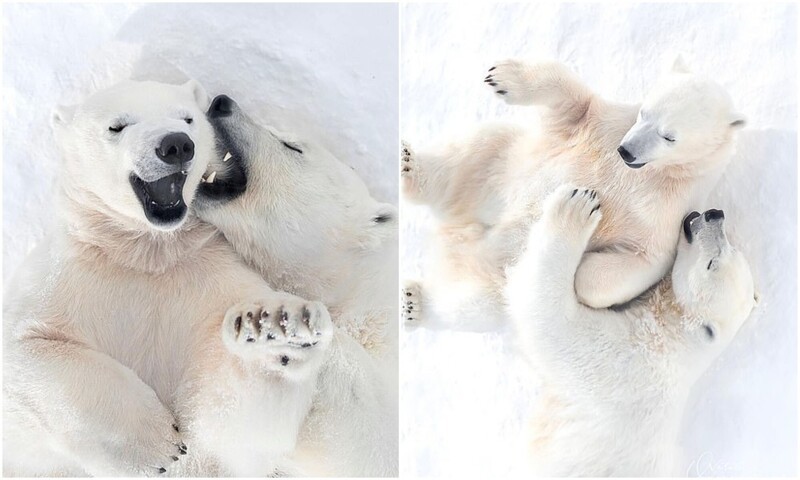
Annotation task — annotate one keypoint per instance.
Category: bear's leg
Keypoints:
(98, 412)
(540, 287)
(462, 181)
(605, 279)
(251, 383)
(547, 84)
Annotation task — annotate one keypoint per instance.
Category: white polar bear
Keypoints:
(487, 189)
(136, 341)
(616, 381)
(309, 225)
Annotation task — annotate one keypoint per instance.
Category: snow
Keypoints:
(327, 72)
(465, 396)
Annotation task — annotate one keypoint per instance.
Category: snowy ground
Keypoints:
(463, 395)
(328, 72)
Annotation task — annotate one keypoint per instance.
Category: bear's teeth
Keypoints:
(227, 157)
(211, 177)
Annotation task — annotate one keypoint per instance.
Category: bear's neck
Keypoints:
(95, 230)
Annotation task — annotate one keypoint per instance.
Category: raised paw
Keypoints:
(573, 213)
(278, 331)
(410, 301)
(409, 171)
(509, 80)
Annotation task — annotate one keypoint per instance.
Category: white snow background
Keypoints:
(464, 396)
(327, 72)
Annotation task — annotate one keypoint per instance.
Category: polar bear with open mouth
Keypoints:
(616, 381)
(136, 340)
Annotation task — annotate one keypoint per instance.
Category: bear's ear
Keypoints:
(738, 121)
(198, 92)
(679, 65)
(62, 115)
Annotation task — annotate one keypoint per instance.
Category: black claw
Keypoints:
(162, 470)
(594, 209)
(573, 193)
(492, 68)
(175, 426)
(284, 360)
(501, 92)
(174, 458)
(493, 84)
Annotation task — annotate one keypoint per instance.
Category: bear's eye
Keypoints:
(117, 128)
(668, 138)
(709, 331)
(292, 147)
(188, 120)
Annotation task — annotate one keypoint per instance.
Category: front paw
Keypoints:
(409, 171)
(279, 332)
(410, 301)
(147, 444)
(509, 79)
(572, 213)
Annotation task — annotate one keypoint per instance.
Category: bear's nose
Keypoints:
(625, 154)
(221, 106)
(175, 148)
(713, 214)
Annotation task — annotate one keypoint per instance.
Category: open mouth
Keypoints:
(687, 225)
(162, 199)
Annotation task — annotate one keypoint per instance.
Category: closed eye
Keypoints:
(668, 138)
(117, 128)
(292, 147)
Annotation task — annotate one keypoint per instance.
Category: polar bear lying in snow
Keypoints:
(651, 163)
(616, 381)
(136, 340)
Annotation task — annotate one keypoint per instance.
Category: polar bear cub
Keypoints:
(136, 341)
(616, 381)
(650, 162)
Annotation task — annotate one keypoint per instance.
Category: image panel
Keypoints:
(598, 240)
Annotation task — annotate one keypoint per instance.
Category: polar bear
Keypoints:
(136, 341)
(651, 162)
(305, 220)
(616, 381)
(309, 225)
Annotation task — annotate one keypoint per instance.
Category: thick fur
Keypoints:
(487, 189)
(308, 224)
(127, 343)
(616, 381)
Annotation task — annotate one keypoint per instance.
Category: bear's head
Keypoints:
(278, 197)
(712, 282)
(136, 151)
(685, 121)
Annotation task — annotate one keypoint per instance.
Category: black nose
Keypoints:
(626, 155)
(713, 214)
(221, 106)
(176, 148)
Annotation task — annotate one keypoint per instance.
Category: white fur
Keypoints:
(487, 188)
(116, 329)
(615, 383)
(308, 224)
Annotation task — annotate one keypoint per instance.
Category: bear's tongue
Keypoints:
(166, 191)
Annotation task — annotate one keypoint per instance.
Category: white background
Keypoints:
(464, 397)
(327, 72)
